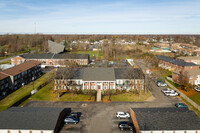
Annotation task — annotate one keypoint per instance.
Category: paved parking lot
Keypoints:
(100, 117)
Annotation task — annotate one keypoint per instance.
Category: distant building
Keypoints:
(56, 60)
(32, 119)
(101, 78)
(192, 59)
(55, 48)
(165, 120)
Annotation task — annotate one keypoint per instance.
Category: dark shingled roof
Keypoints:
(55, 56)
(71, 56)
(73, 73)
(175, 61)
(98, 74)
(150, 119)
(30, 118)
(37, 56)
(123, 73)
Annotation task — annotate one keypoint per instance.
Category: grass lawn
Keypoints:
(128, 97)
(191, 93)
(91, 53)
(47, 94)
(5, 62)
(22, 92)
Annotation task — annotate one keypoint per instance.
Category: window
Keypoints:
(141, 81)
(105, 87)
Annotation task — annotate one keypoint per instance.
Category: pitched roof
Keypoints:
(55, 56)
(99, 74)
(124, 73)
(21, 67)
(175, 61)
(55, 48)
(34, 118)
(72, 73)
(3, 76)
(37, 56)
(161, 119)
(71, 56)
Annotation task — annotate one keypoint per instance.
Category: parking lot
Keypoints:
(100, 117)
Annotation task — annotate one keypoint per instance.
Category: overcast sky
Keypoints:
(100, 16)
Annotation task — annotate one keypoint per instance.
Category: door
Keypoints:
(99, 87)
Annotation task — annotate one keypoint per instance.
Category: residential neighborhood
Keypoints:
(107, 66)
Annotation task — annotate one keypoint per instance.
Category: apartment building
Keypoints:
(55, 60)
(174, 64)
(19, 75)
(100, 78)
(4, 83)
(192, 76)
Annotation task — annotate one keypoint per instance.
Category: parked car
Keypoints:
(171, 94)
(71, 120)
(160, 84)
(181, 105)
(197, 89)
(75, 114)
(125, 125)
(122, 115)
(167, 90)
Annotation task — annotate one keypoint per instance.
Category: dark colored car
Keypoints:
(71, 120)
(75, 114)
(125, 125)
(181, 105)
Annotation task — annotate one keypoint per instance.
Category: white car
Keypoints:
(167, 90)
(122, 115)
(197, 89)
(171, 94)
(160, 84)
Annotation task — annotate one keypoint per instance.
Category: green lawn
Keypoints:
(5, 62)
(91, 53)
(22, 92)
(196, 98)
(47, 94)
(128, 97)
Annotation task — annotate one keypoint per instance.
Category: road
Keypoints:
(100, 117)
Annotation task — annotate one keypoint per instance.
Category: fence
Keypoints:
(184, 96)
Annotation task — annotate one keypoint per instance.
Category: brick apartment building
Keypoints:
(19, 75)
(56, 60)
(192, 76)
(174, 64)
(101, 78)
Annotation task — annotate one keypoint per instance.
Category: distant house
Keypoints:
(32, 120)
(165, 120)
(192, 59)
(174, 64)
(101, 78)
(56, 60)
(55, 48)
